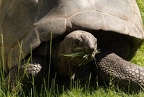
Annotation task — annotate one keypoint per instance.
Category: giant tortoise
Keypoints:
(114, 27)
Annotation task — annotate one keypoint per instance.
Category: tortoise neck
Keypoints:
(59, 61)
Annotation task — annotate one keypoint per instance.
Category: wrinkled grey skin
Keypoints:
(116, 24)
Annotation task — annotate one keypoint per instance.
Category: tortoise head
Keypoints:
(79, 45)
(77, 48)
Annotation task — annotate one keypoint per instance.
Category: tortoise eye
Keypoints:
(78, 42)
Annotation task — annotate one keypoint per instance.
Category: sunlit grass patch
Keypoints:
(139, 57)
(141, 6)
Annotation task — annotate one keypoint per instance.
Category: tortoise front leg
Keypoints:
(17, 74)
(25, 72)
(111, 67)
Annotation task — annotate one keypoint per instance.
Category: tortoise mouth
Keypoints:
(80, 58)
(87, 52)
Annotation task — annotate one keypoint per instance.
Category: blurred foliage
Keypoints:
(141, 6)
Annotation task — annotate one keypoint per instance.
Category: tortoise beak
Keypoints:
(94, 53)
(92, 50)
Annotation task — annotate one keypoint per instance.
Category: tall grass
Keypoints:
(75, 89)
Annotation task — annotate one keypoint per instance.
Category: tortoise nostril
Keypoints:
(91, 49)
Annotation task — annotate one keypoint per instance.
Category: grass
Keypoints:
(76, 54)
(76, 90)
(141, 6)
